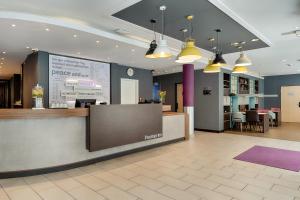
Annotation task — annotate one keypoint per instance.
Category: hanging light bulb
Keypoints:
(190, 52)
(240, 70)
(153, 45)
(162, 50)
(219, 60)
(210, 68)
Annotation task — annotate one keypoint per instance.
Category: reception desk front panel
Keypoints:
(116, 125)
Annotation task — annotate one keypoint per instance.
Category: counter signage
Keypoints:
(74, 78)
(153, 136)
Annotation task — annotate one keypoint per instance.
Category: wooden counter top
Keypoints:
(43, 113)
(172, 113)
(51, 113)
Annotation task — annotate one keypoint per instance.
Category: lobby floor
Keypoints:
(287, 131)
(201, 168)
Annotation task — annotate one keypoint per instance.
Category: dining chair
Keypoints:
(252, 119)
(272, 117)
(239, 117)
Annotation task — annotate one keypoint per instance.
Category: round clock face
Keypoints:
(130, 72)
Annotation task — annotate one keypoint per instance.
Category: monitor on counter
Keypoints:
(84, 103)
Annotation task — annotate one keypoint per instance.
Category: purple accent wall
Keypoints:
(188, 85)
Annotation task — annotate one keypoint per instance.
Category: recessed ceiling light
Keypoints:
(117, 46)
(47, 29)
(1, 63)
(254, 40)
(75, 36)
(108, 58)
(78, 53)
(2, 58)
(133, 50)
(3, 52)
(98, 41)
(27, 47)
(283, 60)
(13, 25)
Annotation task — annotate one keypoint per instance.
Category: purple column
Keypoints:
(188, 85)
(188, 94)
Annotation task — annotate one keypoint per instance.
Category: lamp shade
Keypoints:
(149, 53)
(210, 68)
(162, 50)
(243, 60)
(219, 60)
(183, 61)
(190, 52)
(240, 70)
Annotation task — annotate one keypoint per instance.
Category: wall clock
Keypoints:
(130, 72)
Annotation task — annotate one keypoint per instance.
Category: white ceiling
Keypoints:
(271, 18)
(91, 21)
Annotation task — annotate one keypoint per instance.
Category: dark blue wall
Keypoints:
(273, 85)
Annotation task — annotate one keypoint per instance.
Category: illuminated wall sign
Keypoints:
(74, 78)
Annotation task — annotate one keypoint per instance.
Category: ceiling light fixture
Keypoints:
(47, 29)
(243, 60)
(210, 68)
(75, 36)
(153, 44)
(162, 50)
(178, 60)
(240, 70)
(190, 52)
(27, 47)
(117, 46)
(254, 40)
(219, 60)
(3, 52)
(13, 25)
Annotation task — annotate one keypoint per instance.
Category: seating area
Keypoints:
(255, 120)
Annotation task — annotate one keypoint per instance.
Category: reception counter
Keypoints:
(41, 141)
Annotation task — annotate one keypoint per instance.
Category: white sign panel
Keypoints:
(73, 78)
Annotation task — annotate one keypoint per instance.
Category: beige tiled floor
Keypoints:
(199, 169)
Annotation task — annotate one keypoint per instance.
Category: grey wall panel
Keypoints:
(119, 71)
(43, 74)
(273, 84)
(30, 77)
(207, 107)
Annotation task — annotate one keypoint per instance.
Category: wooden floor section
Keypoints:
(287, 131)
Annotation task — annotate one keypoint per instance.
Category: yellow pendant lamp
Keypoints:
(210, 68)
(178, 60)
(190, 52)
(240, 70)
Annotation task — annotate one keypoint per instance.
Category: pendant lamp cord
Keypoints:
(217, 42)
(191, 28)
(153, 28)
(162, 24)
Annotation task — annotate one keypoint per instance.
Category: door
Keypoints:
(179, 97)
(290, 103)
(129, 91)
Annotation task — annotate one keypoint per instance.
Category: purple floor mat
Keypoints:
(274, 157)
